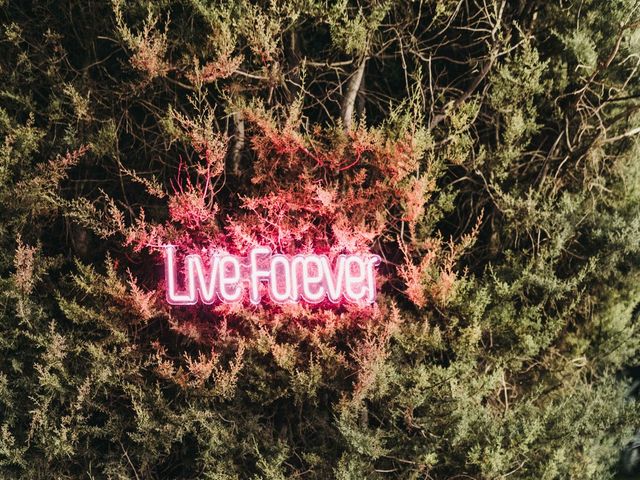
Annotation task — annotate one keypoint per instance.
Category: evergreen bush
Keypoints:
(486, 151)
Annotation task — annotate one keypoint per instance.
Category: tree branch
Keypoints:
(349, 99)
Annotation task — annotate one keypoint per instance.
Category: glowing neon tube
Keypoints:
(284, 279)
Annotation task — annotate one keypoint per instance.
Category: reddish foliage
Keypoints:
(330, 194)
(223, 67)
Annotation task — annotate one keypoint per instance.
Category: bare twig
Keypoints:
(238, 144)
(350, 95)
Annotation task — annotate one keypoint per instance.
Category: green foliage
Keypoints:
(492, 163)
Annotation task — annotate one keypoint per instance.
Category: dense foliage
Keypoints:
(487, 151)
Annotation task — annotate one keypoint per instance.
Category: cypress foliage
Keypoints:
(487, 151)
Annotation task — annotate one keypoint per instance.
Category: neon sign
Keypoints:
(286, 279)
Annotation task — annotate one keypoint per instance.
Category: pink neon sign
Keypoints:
(286, 279)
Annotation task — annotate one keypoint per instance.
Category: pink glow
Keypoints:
(206, 286)
(230, 289)
(276, 282)
(286, 279)
(355, 281)
(313, 290)
(188, 298)
(256, 274)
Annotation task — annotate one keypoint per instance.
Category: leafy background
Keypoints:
(487, 150)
